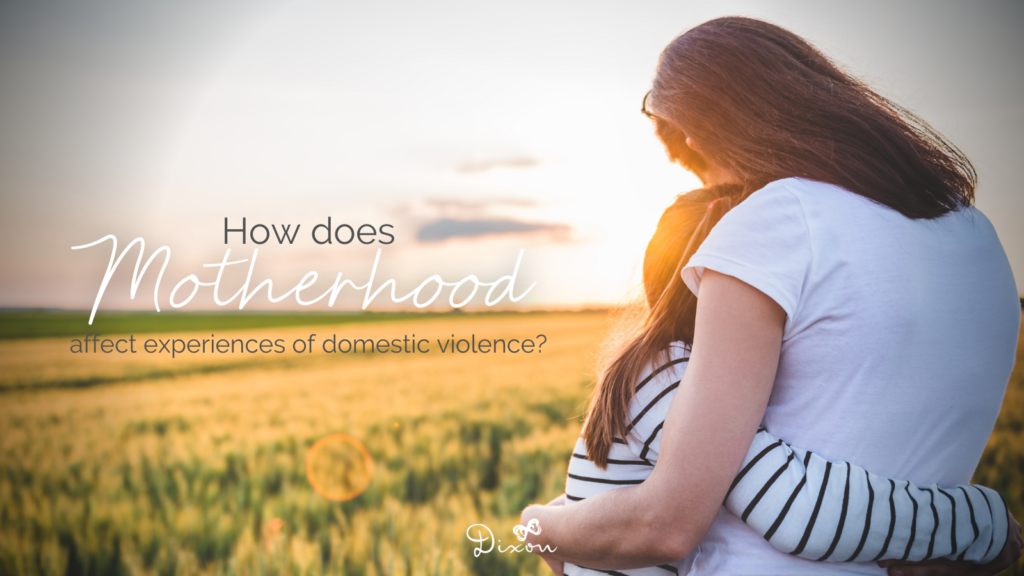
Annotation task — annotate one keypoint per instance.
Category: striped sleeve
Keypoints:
(838, 512)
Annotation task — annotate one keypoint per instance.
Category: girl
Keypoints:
(799, 502)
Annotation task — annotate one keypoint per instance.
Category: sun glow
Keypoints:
(516, 150)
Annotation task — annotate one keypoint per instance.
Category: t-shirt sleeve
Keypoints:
(764, 241)
(829, 511)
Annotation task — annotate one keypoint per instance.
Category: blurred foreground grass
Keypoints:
(195, 465)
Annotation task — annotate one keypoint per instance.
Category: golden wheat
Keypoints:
(196, 465)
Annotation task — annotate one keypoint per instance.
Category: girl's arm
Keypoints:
(708, 430)
(836, 511)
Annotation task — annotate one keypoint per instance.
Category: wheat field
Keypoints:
(196, 464)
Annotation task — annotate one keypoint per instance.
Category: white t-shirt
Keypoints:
(898, 343)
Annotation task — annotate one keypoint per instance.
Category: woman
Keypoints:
(795, 499)
(843, 304)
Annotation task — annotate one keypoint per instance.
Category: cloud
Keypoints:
(458, 204)
(449, 228)
(461, 209)
(486, 165)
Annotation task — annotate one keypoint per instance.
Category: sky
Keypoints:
(476, 130)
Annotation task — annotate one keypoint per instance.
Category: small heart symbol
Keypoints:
(520, 532)
(532, 527)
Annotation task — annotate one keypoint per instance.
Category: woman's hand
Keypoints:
(557, 566)
(942, 567)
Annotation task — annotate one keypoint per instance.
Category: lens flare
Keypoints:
(339, 467)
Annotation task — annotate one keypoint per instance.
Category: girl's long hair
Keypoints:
(764, 105)
(671, 312)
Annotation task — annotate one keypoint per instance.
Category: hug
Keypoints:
(828, 330)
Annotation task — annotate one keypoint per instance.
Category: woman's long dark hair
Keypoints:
(765, 105)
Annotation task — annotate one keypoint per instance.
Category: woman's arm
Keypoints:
(709, 427)
(665, 517)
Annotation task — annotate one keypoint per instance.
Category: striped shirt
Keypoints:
(799, 502)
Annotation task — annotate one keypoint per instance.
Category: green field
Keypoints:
(196, 465)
